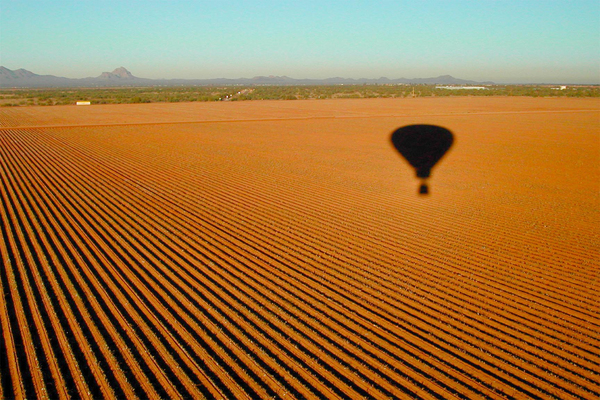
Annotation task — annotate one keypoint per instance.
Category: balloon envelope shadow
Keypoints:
(422, 146)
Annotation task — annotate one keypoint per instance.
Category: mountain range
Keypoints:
(22, 78)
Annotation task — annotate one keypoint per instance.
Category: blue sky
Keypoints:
(506, 41)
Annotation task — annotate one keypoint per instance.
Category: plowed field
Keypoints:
(279, 249)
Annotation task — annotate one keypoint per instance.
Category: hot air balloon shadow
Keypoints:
(422, 146)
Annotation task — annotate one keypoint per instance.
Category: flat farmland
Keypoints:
(279, 249)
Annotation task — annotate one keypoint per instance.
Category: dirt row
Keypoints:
(99, 114)
(142, 277)
(322, 217)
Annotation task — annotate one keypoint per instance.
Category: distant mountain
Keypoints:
(17, 74)
(119, 73)
(23, 78)
(27, 79)
(122, 77)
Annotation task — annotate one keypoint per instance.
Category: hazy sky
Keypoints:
(508, 41)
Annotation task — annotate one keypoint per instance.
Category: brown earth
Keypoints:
(280, 249)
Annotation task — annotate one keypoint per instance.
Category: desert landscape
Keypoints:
(280, 249)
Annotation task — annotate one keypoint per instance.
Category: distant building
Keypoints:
(83, 103)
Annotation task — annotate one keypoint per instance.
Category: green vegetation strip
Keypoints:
(174, 94)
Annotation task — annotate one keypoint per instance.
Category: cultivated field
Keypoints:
(279, 249)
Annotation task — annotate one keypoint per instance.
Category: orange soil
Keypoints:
(270, 249)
